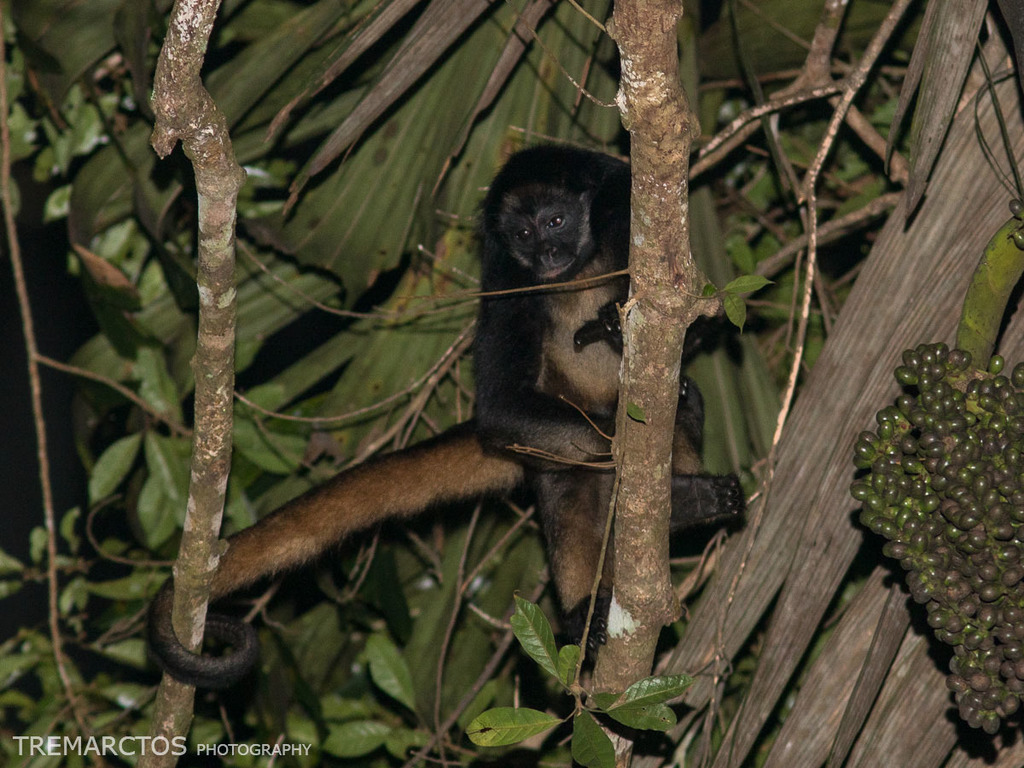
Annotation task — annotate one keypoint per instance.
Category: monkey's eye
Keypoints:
(523, 234)
(556, 221)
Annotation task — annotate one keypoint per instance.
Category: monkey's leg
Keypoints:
(573, 507)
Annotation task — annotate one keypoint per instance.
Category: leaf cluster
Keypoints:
(642, 706)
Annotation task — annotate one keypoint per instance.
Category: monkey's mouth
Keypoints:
(554, 266)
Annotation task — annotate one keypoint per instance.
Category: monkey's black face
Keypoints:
(547, 231)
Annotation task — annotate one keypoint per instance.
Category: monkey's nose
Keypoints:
(553, 263)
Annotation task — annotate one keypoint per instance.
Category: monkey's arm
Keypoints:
(510, 408)
(450, 467)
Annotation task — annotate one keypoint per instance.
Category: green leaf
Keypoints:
(133, 587)
(591, 746)
(157, 512)
(568, 657)
(508, 725)
(37, 544)
(207, 731)
(488, 692)
(162, 500)
(337, 708)
(131, 652)
(746, 284)
(156, 386)
(655, 690)
(24, 136)
(642, 705)
(636, 413)
(67, 528)
(13, 665)
(735, 309)
(57, 204)
(389, 671)
(113, 466)
(356, 738)
(740, 252)
(10, 564)
(74, 595)
(8, 588)
(532, 629)
(273, 451)
(50, 24)
(129, 696)
(401, 740)
(653, 717)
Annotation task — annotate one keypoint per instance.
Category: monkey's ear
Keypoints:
(589, 205)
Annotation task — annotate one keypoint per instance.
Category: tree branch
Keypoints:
(664, 300)
(184, 111)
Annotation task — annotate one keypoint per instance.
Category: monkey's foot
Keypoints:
(699, 499)
(575, 620)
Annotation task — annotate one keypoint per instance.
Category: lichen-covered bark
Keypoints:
(664, 299)
(184, 111)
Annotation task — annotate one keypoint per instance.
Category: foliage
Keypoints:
(641, 706)
(367, 131)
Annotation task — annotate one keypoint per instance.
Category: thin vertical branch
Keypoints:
(665, 289)
(852, 85)
(186, 112)
(449, 633)
(35, 387)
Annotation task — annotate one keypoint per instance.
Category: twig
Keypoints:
(565, 73)
(554, 458)
(485, 674)
(524, 518)
(419, 402)
(773, 23)
(176, 427)
(449, 631)
(737, 131)
(851, 88)
(589, 18)
(443, 364)
(828, 232)
(90, 534)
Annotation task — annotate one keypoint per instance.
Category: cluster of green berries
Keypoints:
(945, 486)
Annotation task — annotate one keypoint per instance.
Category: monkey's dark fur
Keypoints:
(552, 215)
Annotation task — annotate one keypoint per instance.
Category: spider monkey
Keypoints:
(552, 215)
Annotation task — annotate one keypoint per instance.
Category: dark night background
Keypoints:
(62, 323)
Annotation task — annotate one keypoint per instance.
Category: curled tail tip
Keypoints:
(192, 668)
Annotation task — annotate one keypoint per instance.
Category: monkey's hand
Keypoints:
(605, 328)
